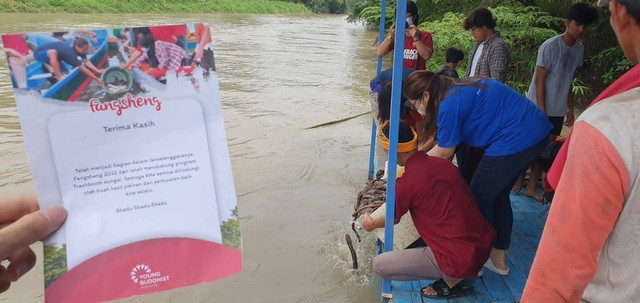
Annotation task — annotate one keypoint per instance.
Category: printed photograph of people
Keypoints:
(106, 64)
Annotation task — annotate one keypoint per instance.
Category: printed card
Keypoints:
(124, 127)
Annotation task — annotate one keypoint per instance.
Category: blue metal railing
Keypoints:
(372, 151)
(396, 91)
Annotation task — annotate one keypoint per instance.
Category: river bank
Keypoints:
(153, 6)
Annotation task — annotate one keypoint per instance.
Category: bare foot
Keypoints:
(536, 196)
(499, 258)
(429, 291)
(516, 188)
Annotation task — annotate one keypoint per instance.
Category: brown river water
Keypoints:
(296, 187)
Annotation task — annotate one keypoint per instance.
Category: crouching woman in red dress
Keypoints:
(446, 216)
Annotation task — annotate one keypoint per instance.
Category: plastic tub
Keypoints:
(116, 80)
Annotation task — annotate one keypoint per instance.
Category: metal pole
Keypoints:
(396, 91)
(372, 151)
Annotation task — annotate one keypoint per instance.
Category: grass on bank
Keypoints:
(153, 6)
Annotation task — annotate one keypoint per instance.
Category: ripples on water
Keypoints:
(296, 186)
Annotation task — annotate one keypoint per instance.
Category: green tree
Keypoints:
(524, 24)
(55, 263)
(231, 231)
(325, 6)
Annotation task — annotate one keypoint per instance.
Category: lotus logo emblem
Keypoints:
(137, 270)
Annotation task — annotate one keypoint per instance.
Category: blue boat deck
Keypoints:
(529, 217)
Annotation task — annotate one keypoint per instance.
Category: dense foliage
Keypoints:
(231, 231)
(55, 263)
(524, 24)
(154, 6)
(325, 6)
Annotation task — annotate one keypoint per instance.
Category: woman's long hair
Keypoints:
(422, 81)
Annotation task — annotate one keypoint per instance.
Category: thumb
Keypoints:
(29, 229)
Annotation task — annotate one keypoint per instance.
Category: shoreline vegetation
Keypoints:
(524, 25)
(154, 6)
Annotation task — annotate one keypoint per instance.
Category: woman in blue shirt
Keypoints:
(487, 114)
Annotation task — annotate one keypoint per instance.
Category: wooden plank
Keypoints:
(515, 281)
(401, 286)
(481, 294)
(527, 229)
(522, 250)
(496, 287)
(403, 297)
(464, 299)
(416, 294)
(532, 213)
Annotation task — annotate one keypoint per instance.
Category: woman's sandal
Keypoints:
(443, 291)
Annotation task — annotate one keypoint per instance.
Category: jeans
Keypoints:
(468, 159)
(376, 83)
(492, 183)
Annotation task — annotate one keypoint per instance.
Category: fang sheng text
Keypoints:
(127, 102)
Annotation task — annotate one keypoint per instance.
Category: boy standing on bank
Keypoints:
(558, 59)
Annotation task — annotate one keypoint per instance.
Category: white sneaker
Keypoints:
(489, 265)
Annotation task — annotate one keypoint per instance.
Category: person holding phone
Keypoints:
(418, 45)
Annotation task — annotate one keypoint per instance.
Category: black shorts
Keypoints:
(557, 123)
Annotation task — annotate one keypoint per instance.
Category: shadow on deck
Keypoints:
(529, 217)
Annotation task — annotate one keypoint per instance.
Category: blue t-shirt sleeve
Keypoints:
(449, 128)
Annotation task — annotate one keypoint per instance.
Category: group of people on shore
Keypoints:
(496, 133)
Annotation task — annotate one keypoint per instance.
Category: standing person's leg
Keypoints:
(503, 211)
(536, 168)
(532, 185)
(18, 69)
(491, 185)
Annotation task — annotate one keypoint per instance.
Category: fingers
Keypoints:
(12, 209)
(21, 263)
(29, 229)
(4, 280)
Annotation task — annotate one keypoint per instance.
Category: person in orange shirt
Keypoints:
(590, 248)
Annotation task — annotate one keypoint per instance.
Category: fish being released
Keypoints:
(114, 88)
(370, 198)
